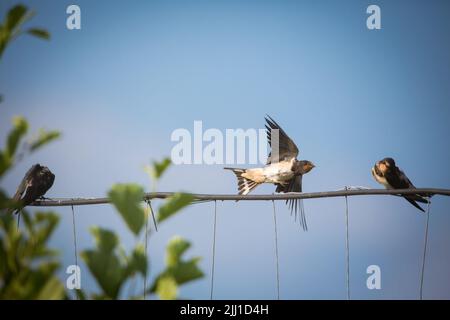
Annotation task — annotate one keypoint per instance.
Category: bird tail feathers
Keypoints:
(245, 185)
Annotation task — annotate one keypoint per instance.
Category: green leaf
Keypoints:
(104, 264)
(39, 33)
(27, 265)
(127, 199)
(53, 289)
(181, 271)
(5, 163)
(167, 288)
(174, 204)
(44, 138)
(15, 17)
(175, 249)
(105, 240)
(138, 261)
(159, 168)
(7, 203)
(20, 128)
(106, 269)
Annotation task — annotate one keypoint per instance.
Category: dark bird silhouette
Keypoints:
(282, 167)
(37, 181)
(390, 176)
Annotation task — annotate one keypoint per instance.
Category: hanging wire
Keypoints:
(74, 232)
(424, 250)
(149, 202)
(145, 246)
(276, 250)
(347, 248)
(18, 220)
(213, 251)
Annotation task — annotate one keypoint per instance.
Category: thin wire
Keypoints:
(145, 248)
(347, 248)
(276, 250)
(74, 231)
(213, 251)
(424, 250)
(153, 215)
(18, 220)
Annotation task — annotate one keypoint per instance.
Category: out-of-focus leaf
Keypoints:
(127, 199)
(175, 249)
(104, 264)
(20, 128)
(174, 204)
(138, 261)
(6, 202)
(81, 295)
(44, 138)
(5, 163)
(47, 223)
(105, 240)
(53, 289)
(166, 288)
(181, 271)
(27, 264)
(160, 167)
(186, 271)
(39, 33)
(16, 16)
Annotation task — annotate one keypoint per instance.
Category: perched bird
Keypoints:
(390, 176)
(282, 167)
(37, 181)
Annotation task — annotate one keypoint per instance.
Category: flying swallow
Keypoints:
(37, 181)
(390, 176)
(282, 167)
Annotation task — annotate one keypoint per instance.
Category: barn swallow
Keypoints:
(390, 176)
(37, 181)
(282, 168)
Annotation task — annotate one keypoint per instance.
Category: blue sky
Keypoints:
(348, 96)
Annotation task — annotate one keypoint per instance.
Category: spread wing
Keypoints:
(286, 147)
(294, 185)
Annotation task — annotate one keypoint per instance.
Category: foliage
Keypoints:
(177, 271)
(158, 168)
(174, 204)
(127, 200)
(27, 265)
(12, 27)
(13, 23)
(112, 268)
